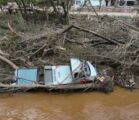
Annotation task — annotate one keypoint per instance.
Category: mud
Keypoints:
(119, 105)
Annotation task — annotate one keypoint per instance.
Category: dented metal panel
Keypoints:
(63, 75)
(55, 75)
(75, 65)
(49, 75)
(25, 76)
(87, 69)
(93, 71)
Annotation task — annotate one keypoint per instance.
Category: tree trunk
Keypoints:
(20, 8)
(1, 8)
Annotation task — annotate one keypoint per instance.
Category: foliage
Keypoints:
(3, 2)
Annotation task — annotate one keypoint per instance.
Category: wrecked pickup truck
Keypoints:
(78, 75)
(78, 71)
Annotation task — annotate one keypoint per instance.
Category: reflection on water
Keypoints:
(119, 105)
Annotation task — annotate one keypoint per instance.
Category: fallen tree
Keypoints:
(8, 62)
(92, 32)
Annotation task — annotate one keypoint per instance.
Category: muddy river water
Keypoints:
(119, 105)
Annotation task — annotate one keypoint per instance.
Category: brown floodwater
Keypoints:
(118, 105)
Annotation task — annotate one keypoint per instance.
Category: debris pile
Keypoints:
(106, 41)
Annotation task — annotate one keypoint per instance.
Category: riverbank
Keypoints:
(110, 43)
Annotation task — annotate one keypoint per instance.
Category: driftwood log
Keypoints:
(11, 29)
(115, 42)
(132, 27)
(4, 59)
(3, 53)
(106, 86)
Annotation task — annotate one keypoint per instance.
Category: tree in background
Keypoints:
(33, 5)
(137, 2)
(2, 2)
